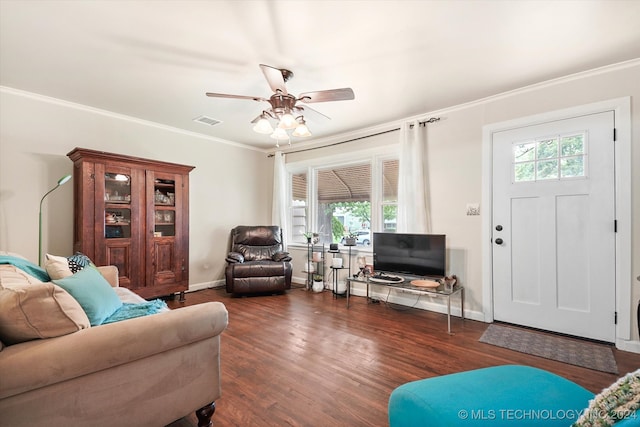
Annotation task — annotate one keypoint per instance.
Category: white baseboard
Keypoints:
(627, 345)
(205, 285)
(299, 280)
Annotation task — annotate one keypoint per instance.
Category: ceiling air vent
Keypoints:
(207, 121)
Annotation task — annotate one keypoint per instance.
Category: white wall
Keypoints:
(454, 151)
(230, 184)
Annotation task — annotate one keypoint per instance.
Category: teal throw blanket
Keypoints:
(130, 311)
(26, 266)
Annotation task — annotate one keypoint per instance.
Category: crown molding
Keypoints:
(118, 116)
(313, 143)
(482, 101)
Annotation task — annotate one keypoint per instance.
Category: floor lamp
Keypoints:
(61, 181)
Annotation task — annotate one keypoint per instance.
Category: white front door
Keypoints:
(553, 226)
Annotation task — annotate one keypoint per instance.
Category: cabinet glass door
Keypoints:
(117, 202)
(164, 201)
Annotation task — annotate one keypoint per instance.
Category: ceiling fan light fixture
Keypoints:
(283, 105)
(301, 130)
(287, 121)
(263, 126)
(279, 134)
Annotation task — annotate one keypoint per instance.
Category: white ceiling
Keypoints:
(154, 60)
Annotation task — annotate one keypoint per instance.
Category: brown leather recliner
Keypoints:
(257, 262)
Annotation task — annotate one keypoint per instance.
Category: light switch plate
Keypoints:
(473, 209)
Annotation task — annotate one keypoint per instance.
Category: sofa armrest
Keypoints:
(39, 363)
(110, 272)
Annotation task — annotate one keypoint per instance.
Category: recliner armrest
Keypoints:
(281, 257)
(234, 257)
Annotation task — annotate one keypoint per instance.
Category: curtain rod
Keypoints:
(423, 123)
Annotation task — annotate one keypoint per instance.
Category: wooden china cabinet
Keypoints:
(133, 213)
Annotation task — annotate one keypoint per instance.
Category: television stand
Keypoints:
(405, 286)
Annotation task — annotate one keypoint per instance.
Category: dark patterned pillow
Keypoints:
(78, 261)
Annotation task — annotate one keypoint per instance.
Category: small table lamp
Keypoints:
(61, 181)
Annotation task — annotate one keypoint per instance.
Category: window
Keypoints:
(557, 157)
(298, 208)
(389, 195)
(343, 201)
(359, 197)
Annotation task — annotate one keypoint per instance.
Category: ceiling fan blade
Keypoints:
(224, 95)
(310, 113)
(344, 94)
(274, 77)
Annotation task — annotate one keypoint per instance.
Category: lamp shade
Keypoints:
(301, 130)
(287, 121)
(263, 126)
(279, 134)
(64, 179)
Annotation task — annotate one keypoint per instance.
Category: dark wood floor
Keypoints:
(304, 359)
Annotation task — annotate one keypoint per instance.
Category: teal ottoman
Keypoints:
(509, 395)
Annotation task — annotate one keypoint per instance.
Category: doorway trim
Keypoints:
(622, 147)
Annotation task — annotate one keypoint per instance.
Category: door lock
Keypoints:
(499, 227)
(499, 241)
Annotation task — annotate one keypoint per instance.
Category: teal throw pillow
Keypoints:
(94, 294)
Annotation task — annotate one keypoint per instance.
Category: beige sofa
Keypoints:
(146, 371)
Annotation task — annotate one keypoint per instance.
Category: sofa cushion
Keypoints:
(59, 267)
(93, 292)
(38, 310)
(26, 266)
(11, 276)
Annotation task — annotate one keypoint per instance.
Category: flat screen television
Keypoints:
(411, 254)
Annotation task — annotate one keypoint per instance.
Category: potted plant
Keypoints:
(350, 239)
(311, 235)
(318, 285)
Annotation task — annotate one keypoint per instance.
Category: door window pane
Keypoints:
(572, 145)
(164, 200)
(547, 149)
(117, 223)
(550, 158)
(524, 152)
(572, 166)
(525, 172)
(117, 188)
(547, 169)
(572, 163)
(117, 212)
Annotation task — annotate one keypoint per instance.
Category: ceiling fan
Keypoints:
(285, 107)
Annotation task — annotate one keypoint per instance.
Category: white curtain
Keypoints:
(413, 188)
(279, 214)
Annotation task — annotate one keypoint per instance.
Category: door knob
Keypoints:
(499, 241)
(499, 227)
